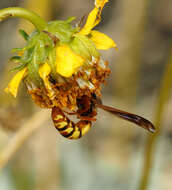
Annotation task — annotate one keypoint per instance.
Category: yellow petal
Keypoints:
(94, 17)
(101, 40)
(44, 72)
(15, 81)
(67, 62)
(90, 23)
(100, 3)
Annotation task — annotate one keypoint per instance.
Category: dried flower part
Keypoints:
(66, 91)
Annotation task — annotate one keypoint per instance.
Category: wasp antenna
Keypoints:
(140, 121)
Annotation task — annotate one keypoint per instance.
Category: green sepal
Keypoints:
(15, 50)
(24, 34)
(79, 48)
(62, 29)
(43, 47)
(52, 61)
(36, 53)
(33, 74)
(16, 59)
(42, 44)
(18, 68)
(70, 19)
(83, 46)
(28, 55)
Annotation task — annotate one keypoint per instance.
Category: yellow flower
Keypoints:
(101, 40)
(15, 81)
(67, 62)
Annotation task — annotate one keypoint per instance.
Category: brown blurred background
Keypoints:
(111, 155)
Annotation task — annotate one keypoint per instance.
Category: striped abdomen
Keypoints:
(68, 128)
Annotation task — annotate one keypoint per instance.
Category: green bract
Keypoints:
(41, 47)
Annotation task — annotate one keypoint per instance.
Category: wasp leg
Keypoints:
(68, 128)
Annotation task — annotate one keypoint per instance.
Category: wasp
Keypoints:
(86, 113)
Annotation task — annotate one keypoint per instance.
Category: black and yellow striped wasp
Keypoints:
(87, 110)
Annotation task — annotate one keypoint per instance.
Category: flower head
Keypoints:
(62, 63)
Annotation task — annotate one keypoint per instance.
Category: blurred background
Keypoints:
(111, 155)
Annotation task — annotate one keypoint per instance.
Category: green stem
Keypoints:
(35, 19)
(151, 142)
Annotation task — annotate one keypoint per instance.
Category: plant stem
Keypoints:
(151, 142)
(21, 136)
(35, 19)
